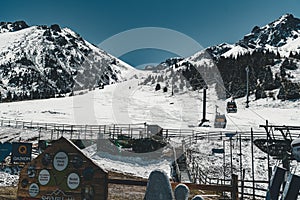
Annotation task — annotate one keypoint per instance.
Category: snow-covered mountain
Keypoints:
(280, 33)
(41, 62)
(281, 36)
(271, 53)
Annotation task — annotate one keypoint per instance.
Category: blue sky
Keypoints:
(208, 22)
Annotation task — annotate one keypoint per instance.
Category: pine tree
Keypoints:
(157, 87)
(165, 89)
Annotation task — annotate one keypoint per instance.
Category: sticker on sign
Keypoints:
(44, 177)
(73, 181)
(33, 190)
(60, 161)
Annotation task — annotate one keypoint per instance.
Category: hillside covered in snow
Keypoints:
(40, 62)
(271, 53)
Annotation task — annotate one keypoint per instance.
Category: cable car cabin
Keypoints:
(220, 121)
(231, 107)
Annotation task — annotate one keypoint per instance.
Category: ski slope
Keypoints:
(131, 102)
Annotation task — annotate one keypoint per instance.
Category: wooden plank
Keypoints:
(218, 188)
(127, 182)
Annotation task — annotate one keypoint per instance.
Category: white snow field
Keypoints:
(129, 102)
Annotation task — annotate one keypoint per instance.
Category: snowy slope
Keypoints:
(271, 53)
(136, 101)
(128, 102)
(40, 62)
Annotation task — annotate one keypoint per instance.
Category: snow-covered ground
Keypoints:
(131, 102)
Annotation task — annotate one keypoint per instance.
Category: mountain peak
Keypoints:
(287, 16)
(42, 61)
(276, 33)
(12, 26)
(287, 20)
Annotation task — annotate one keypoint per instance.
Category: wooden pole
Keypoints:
(241, 166)
(231, 163)
(71, 131)
(242, 184)
(235, 192)
(224, 167)
(247, 82)
(40, 133)
(252, 157)
(268, 156)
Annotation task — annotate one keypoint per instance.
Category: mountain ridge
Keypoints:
(42, 62)
(273, 70)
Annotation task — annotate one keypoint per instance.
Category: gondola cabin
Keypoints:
(231, 107)
(220, 121)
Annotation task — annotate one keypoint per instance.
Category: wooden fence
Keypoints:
(255, 189)
(232, 187)
(187, 136)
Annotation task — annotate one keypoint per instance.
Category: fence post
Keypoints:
(234, 185)
(92, 133)
(242, 184)
(99, 132)
(40, 133)
(224, 164)
(252, 157)
(71, 131)
(193, 169)
(197, 172)
(85, 129)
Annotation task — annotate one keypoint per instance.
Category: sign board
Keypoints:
(33, 190)
(5, 150)
(230, 135)
(154, 129)
(60, 172)
(44, 177)
(21, 152)
(60, 161)
(218, 150)
(73, 181)
(57, 194)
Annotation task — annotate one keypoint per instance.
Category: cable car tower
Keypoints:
(203, 120)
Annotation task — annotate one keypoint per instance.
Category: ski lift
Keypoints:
(220, 120)
(231, 107)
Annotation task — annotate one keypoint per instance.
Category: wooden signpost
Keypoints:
(62, 171)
